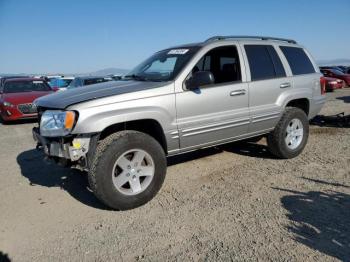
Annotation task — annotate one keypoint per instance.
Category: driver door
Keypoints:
(218, 112)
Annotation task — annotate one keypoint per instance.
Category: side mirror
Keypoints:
(200, 78)
(55, 88)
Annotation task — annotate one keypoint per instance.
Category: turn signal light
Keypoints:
(69, 121)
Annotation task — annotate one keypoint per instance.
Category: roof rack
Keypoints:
(221, 37)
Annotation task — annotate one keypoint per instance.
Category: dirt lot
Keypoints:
(234, 202)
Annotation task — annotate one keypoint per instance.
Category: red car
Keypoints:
(17, 96)
(336, 74)
(330, 84)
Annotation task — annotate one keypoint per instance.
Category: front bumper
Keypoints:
(13, 114)
(74, 149)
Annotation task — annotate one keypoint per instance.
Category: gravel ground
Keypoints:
(234, 202)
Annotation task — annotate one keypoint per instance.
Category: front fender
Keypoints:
(94, 118)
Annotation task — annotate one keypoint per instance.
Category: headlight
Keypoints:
(333, 82)
(8, 104)
(57, 123)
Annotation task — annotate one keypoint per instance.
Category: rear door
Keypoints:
(268, 79)
(305, 77)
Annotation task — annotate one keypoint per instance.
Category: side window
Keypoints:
(264, 62)
(79, 82)
(91, 81)
(222, 62)
(73, 83)
(279, 69)
(298, 61)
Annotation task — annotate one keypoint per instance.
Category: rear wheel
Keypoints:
(290, 135)
(128, 169)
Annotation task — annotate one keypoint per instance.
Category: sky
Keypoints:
(82, 36)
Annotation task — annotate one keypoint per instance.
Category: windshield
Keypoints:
(337, 72)
(164, 65)
(25, 86)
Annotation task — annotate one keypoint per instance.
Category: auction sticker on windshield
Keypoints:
(177, 51)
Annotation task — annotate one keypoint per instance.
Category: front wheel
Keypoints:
(128, 169)
(290, 135)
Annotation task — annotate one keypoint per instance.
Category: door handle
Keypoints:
(285, 85)
(237, 92)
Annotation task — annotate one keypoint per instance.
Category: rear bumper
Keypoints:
(316, 105)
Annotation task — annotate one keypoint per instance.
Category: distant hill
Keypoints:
(110, 71)
(102, 72)
(345, 62)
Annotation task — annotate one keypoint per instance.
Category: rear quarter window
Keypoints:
(264, 62)
(298, 60)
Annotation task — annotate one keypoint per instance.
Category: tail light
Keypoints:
(323, 85)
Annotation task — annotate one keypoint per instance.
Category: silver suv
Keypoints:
(183, 98)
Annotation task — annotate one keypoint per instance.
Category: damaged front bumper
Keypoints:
(70, 151)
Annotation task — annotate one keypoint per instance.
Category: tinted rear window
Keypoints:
(298, 61)
(25, 86)
(264, 62)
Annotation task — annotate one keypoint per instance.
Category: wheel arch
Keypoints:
(301, 103)
(148, 126)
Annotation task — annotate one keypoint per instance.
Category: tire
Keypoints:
(277, 139)
(2, 121)
(104, 168)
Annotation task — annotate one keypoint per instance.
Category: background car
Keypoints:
(344, 69)
(4, 78)
(340, 68)
(17, 96)
(87, 80)
(61, 83)
(335, 73)
(331, 84)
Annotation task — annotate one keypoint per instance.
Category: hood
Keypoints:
(24, 97)
(61, 100)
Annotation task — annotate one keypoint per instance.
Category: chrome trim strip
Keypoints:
(214, 127)
(174, 134)
(264, 117)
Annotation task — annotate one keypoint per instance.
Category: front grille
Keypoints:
(27, 108)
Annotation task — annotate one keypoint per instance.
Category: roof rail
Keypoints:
(221, 37)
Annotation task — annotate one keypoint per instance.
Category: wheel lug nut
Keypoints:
(129, 167)
(127, 174)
